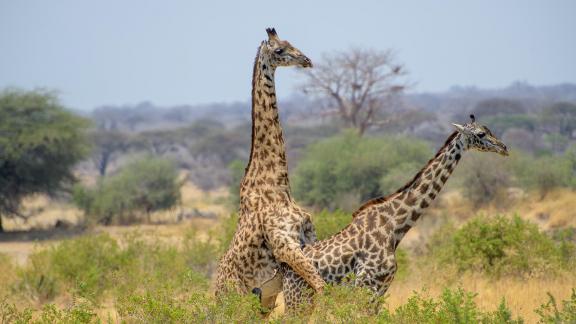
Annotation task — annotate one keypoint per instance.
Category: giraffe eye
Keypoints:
(481, 135)
(279, 51)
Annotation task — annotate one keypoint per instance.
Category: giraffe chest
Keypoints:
(251, 255)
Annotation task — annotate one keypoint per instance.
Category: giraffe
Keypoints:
(272, 228)
(367, 246)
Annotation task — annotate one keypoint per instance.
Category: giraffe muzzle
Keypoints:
(306, 62)
(503, 150)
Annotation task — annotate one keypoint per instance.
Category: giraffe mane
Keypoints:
(379, 200)
(255, 69)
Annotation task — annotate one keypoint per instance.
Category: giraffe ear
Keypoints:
(272, 35)
(460, 128)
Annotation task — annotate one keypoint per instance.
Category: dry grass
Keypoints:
(557, 209)
(43, 213)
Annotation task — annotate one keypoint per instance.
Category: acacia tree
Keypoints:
(358, 85)
(40, 141)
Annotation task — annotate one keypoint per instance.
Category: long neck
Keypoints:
(267, 166)
(419, 193)
(403, 208)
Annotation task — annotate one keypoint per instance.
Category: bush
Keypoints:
(549, 312)
(236, 168)
(89, 266)
(544, 173)
(328, 223)
(339, 304)
(453, 306)
(139, 188)
(342, 304)
(398, 176)
(7, 275)
(483, 178)
(227, 230)
(81, 265)
(348, 165)
(501, 246)
(78, 313)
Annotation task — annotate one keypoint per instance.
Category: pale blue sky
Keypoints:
(188, 52)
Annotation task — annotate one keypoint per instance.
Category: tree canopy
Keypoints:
(40, 141)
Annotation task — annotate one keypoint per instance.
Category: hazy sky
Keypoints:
(187, 52)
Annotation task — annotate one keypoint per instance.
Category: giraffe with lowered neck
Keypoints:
(367, 246)
(272, 228)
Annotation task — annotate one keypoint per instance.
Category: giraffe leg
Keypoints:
(288, 251)
(296, 291)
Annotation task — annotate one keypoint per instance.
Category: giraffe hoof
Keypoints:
(258, 292)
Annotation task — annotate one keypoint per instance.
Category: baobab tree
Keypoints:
(358, 85)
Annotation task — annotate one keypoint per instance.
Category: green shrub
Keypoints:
(78, 313)
(501, 246)
(453, 306)
(139, 188)
(37, 279)
(236, 168)
(328, 223)
(549, 312)
(92, 265)
(154, 266)
(81, 265)
(164, 307)
(399, 176)
(152, 308)
(483, 178)
(548, 173)
(200, 255)
(347, 165)
(7, 275)
(545, 173)
(227, 230)
(342, 304)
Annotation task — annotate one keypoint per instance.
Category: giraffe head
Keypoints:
(479, 137)
(282, 53)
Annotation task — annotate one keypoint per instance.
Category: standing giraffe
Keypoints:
(367, 246)
(271, 227)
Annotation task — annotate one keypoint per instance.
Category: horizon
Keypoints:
(107, 53)
(295, 94)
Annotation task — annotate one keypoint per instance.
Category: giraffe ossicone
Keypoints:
(367, 246)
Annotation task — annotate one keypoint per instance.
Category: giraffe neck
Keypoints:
(267, 166)
(402, 209)
(419, 193)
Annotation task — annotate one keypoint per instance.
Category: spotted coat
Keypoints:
(366, 247)
(272, 228)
